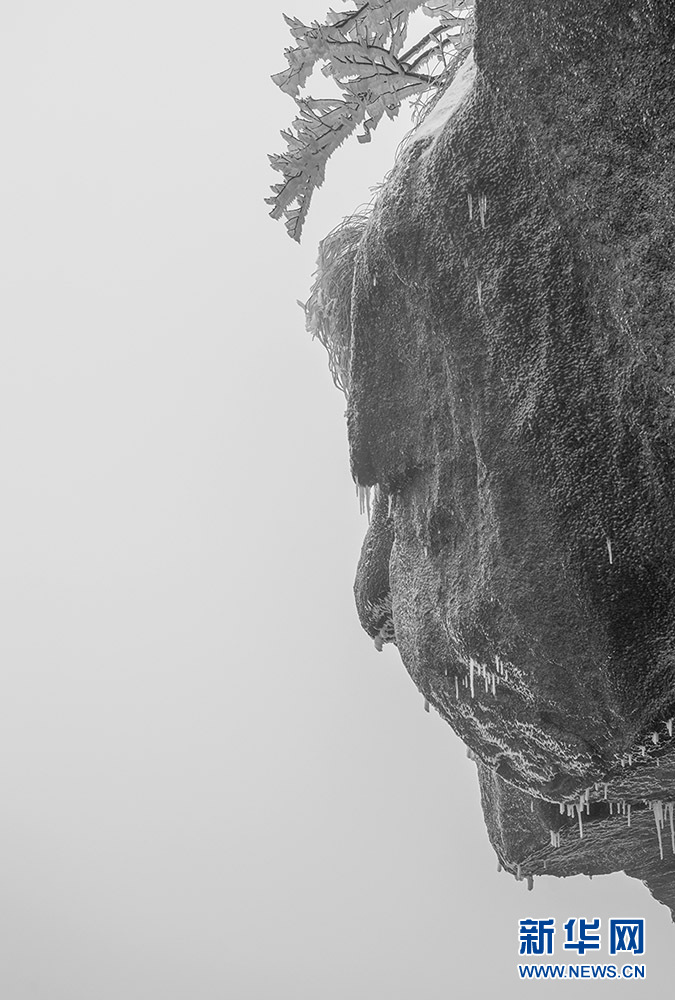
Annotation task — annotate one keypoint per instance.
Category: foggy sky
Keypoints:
(212, 785)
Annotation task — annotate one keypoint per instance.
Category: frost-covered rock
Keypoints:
(513, 395)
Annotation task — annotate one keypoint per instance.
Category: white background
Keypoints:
(211, 784)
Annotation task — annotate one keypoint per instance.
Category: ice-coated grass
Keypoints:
(328, 309)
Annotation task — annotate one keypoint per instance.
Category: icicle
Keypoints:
(530, 883)
(363, 493)
(630, 759)
(609, 551)
(456, 687)
(499, 866)
(669, 727)
(605, 784)
(581, 826)
(482, 208)
(470, 201)
(479, 290)
(628, 813)
(562, 808)
(531, 805)
(494, 685)
(426, 705)
(655, 738)
(657, 808)
(672, 829)
(518, 874)
(610, 807)
(471, 666)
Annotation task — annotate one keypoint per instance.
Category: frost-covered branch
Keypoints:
(362, 50)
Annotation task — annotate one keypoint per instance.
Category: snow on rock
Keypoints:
(449, 102)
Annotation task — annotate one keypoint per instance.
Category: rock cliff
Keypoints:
(512, 405)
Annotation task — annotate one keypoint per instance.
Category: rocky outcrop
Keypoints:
(372, 589)
(512, 396)
(626, 824)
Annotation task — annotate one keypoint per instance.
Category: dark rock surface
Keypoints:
(513, 398)
(613, 828)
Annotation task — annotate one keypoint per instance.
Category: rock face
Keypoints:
(513, 399)
(612, 827)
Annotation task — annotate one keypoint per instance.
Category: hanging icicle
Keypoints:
(363, 493)
(482, 208)
(657, 809)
